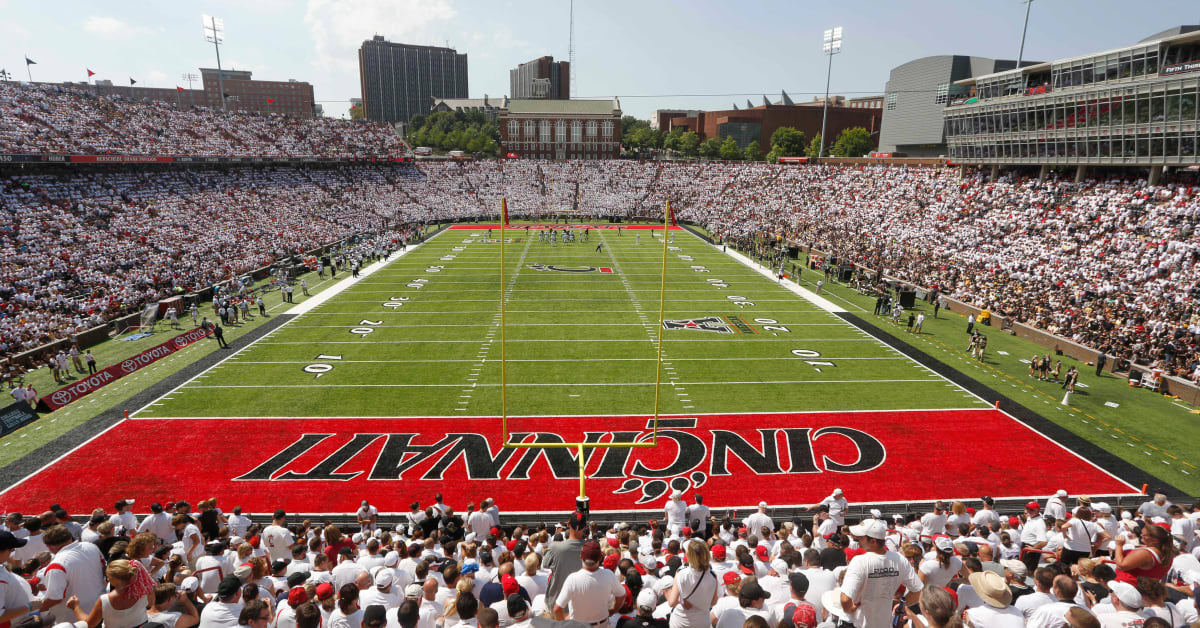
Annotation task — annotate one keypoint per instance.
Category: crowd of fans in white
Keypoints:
(55, 119)
(1109, 264)
(1055, 564)
(78, 250)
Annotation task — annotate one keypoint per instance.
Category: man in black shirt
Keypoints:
(834, 556)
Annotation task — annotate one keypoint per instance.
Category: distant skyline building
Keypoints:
(541, 79)
(242, 93)
(399, 81)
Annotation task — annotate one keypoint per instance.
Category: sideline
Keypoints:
(339, 287)
(809, 295)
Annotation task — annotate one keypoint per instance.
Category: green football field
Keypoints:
(391, 385)
(422, 337)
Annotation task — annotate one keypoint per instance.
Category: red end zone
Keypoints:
(522, 227)
(735, 460)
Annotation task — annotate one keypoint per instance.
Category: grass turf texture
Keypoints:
(578, 343)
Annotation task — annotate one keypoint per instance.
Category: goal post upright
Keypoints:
(579, 447)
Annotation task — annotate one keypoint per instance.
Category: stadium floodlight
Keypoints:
(214, 33)
(832, 44)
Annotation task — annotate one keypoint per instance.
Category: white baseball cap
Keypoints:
(647, 599)
(873, 528)
(1127, 593)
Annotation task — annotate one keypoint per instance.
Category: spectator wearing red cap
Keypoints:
(285, 615)
(695, 590)
(731, 585)
(721, 564)
(1033, 536)
(590, 594)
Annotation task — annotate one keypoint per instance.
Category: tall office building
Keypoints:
(541, 79)
(400, 81)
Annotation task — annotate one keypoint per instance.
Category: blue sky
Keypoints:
(648, 53)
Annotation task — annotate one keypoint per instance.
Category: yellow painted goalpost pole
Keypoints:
(579, 447)
(503, 344)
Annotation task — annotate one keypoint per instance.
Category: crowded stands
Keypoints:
(1058, 562)
(61, 120)
(1107, 263)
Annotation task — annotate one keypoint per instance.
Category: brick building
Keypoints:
(291, 97)
(561, 129)
(758, 123)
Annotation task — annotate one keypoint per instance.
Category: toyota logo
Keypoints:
(61, 398)
(129, 366)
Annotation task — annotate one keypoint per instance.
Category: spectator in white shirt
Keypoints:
(759, 520)
(837, 504)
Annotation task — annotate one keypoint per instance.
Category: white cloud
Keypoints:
(157, 78)
(107, 27)
(338, 27)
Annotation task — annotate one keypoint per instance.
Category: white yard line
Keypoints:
(788, 359)
(511, 385)
(711, 338)
(542, 416)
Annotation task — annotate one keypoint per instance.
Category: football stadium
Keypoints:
(531, 360)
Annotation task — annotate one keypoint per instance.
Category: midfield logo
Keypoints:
(570, 269)
(708, 323)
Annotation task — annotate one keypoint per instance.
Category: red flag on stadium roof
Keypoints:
(178, 88)
(91, 74)
(270, 100)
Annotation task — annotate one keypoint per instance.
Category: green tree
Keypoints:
(753, 152)
(814, 148)
(787, 142)
(356, 112)
(671, 141)
(772, 156)
(689, 144)
(852, 142)
(729, 149)
(711, 148)
(417, 121)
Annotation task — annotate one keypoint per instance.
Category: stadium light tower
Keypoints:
(832, 45)
(214, 32)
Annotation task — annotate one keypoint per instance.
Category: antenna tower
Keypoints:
(571, 53)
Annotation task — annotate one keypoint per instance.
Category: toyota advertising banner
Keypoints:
(102, 378)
